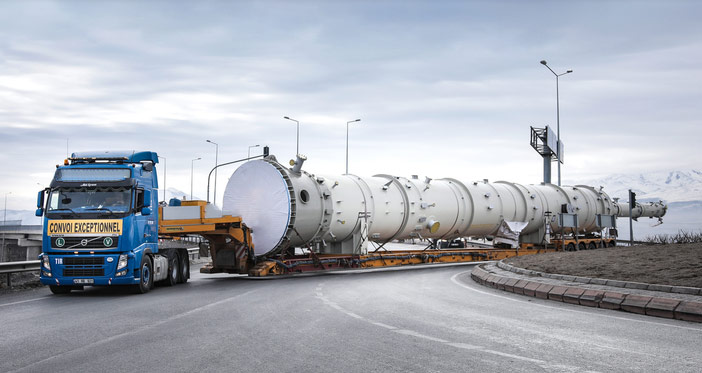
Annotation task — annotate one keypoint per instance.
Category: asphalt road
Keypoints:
(423, 320)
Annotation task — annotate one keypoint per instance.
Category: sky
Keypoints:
(442, 88)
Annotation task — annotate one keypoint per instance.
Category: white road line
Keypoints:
(22, 301)
(464, 346)
(455, 281)
(380, 324)
(512, 356)
(542, 363)
(419, 335)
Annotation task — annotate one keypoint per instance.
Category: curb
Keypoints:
(602, 281)
(644, 305)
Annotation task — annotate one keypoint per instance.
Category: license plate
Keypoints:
(83, 280)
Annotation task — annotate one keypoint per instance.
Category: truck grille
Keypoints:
(82, 261)
(71, 243)
(77, 272)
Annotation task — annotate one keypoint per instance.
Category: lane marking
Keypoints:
(512, 356)
(419, 335)
(457, 282)
(136, 331)
(386, 326)
(22, 301)
(464, 346)
(541, 363)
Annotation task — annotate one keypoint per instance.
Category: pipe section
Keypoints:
(336, 213)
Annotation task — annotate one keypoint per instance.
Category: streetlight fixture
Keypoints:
(214, 201)
(347, 143)
(558, 119)
(164, 178)
(297, 150)
(4, 221)
(192, 165)
(248, 155)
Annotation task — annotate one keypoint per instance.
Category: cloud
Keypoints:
(445, 89)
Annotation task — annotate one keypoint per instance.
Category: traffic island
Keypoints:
(672, 302)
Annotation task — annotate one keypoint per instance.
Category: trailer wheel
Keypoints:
(612, 244)
(60, 289)
(184, 268)
(591, 246)
(581, 246)
(146, 280)
(173, 270)
(570, 247)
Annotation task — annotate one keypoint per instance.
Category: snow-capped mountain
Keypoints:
(673, 186)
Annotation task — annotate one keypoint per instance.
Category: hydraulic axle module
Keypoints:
(287, 207)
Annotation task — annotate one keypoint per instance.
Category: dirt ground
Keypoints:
(20, 281)
(675, 264)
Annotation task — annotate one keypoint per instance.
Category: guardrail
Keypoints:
(14, 267)
(8, 268)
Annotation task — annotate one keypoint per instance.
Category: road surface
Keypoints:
(420, 319)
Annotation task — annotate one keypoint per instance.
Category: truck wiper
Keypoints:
(64, 209)
(102, 209)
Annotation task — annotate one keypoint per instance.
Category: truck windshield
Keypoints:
(80, 200)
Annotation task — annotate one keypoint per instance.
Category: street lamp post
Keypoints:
(347, 143)
(164, 178)
(4, 221)
(297, 149)
(214, 201)
(248, 154)
(558, 119)
(192, 165)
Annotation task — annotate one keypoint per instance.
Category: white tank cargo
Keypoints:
(336, 213)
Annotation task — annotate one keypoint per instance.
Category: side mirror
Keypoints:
(40, 204)
(147, 198)
(146, 211)
(40, 199)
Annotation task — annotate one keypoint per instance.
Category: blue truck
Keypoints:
(101, 225)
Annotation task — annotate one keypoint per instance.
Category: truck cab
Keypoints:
(101, 225)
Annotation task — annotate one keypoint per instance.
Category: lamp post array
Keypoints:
(164, 177)
(558, 118)
(192, 166)
(347, 142)
(297, 148)
(4, 221)
(248, 154)
(216, 162)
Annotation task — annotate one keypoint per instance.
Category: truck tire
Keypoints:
(60, 289)
(146, 280)
(173, 270)
(184, 268)
(581, 246)
(591, 246)
(570, 247)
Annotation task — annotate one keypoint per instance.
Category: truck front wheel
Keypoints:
(146, 280)
(60, 289)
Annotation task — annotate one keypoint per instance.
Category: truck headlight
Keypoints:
(45, 262)
(122, 262)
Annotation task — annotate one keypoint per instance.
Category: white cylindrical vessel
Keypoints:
(338, 213)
